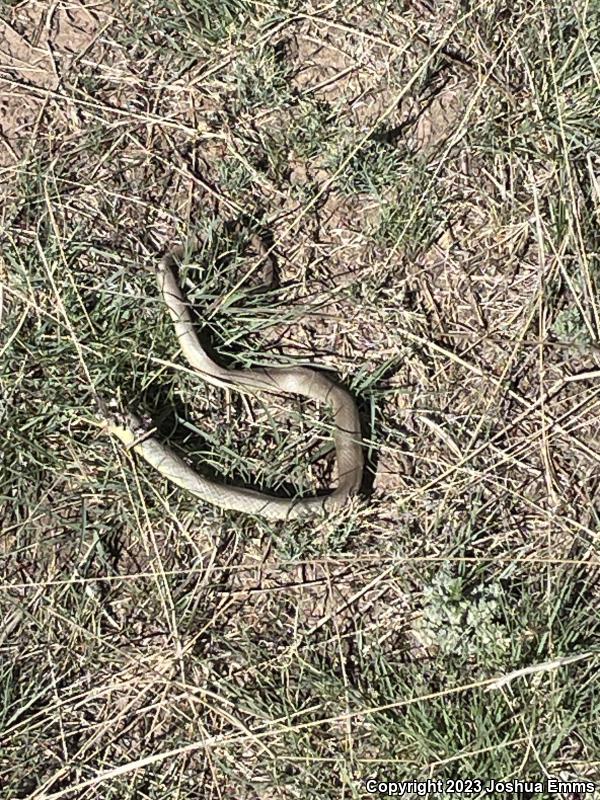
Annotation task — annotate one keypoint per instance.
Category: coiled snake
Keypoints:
(287, 380)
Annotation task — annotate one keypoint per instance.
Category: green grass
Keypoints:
(428, 183)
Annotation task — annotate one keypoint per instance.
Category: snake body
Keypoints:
(284, 380)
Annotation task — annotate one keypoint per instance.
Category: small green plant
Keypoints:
(262, 80)
(462, 621)
(570, 327)
(311, 129)
(373, 169)
(411, 220)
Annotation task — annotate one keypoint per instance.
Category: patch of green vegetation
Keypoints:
(184, 26)
(375, 168)
(262, 80)
(411, 219)
(569, 326)
(462, 621)
(312, 129)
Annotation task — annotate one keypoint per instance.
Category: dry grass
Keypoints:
(427, 176)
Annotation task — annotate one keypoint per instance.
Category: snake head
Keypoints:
(128, 427)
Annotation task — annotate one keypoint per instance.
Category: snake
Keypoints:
(287, 380)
